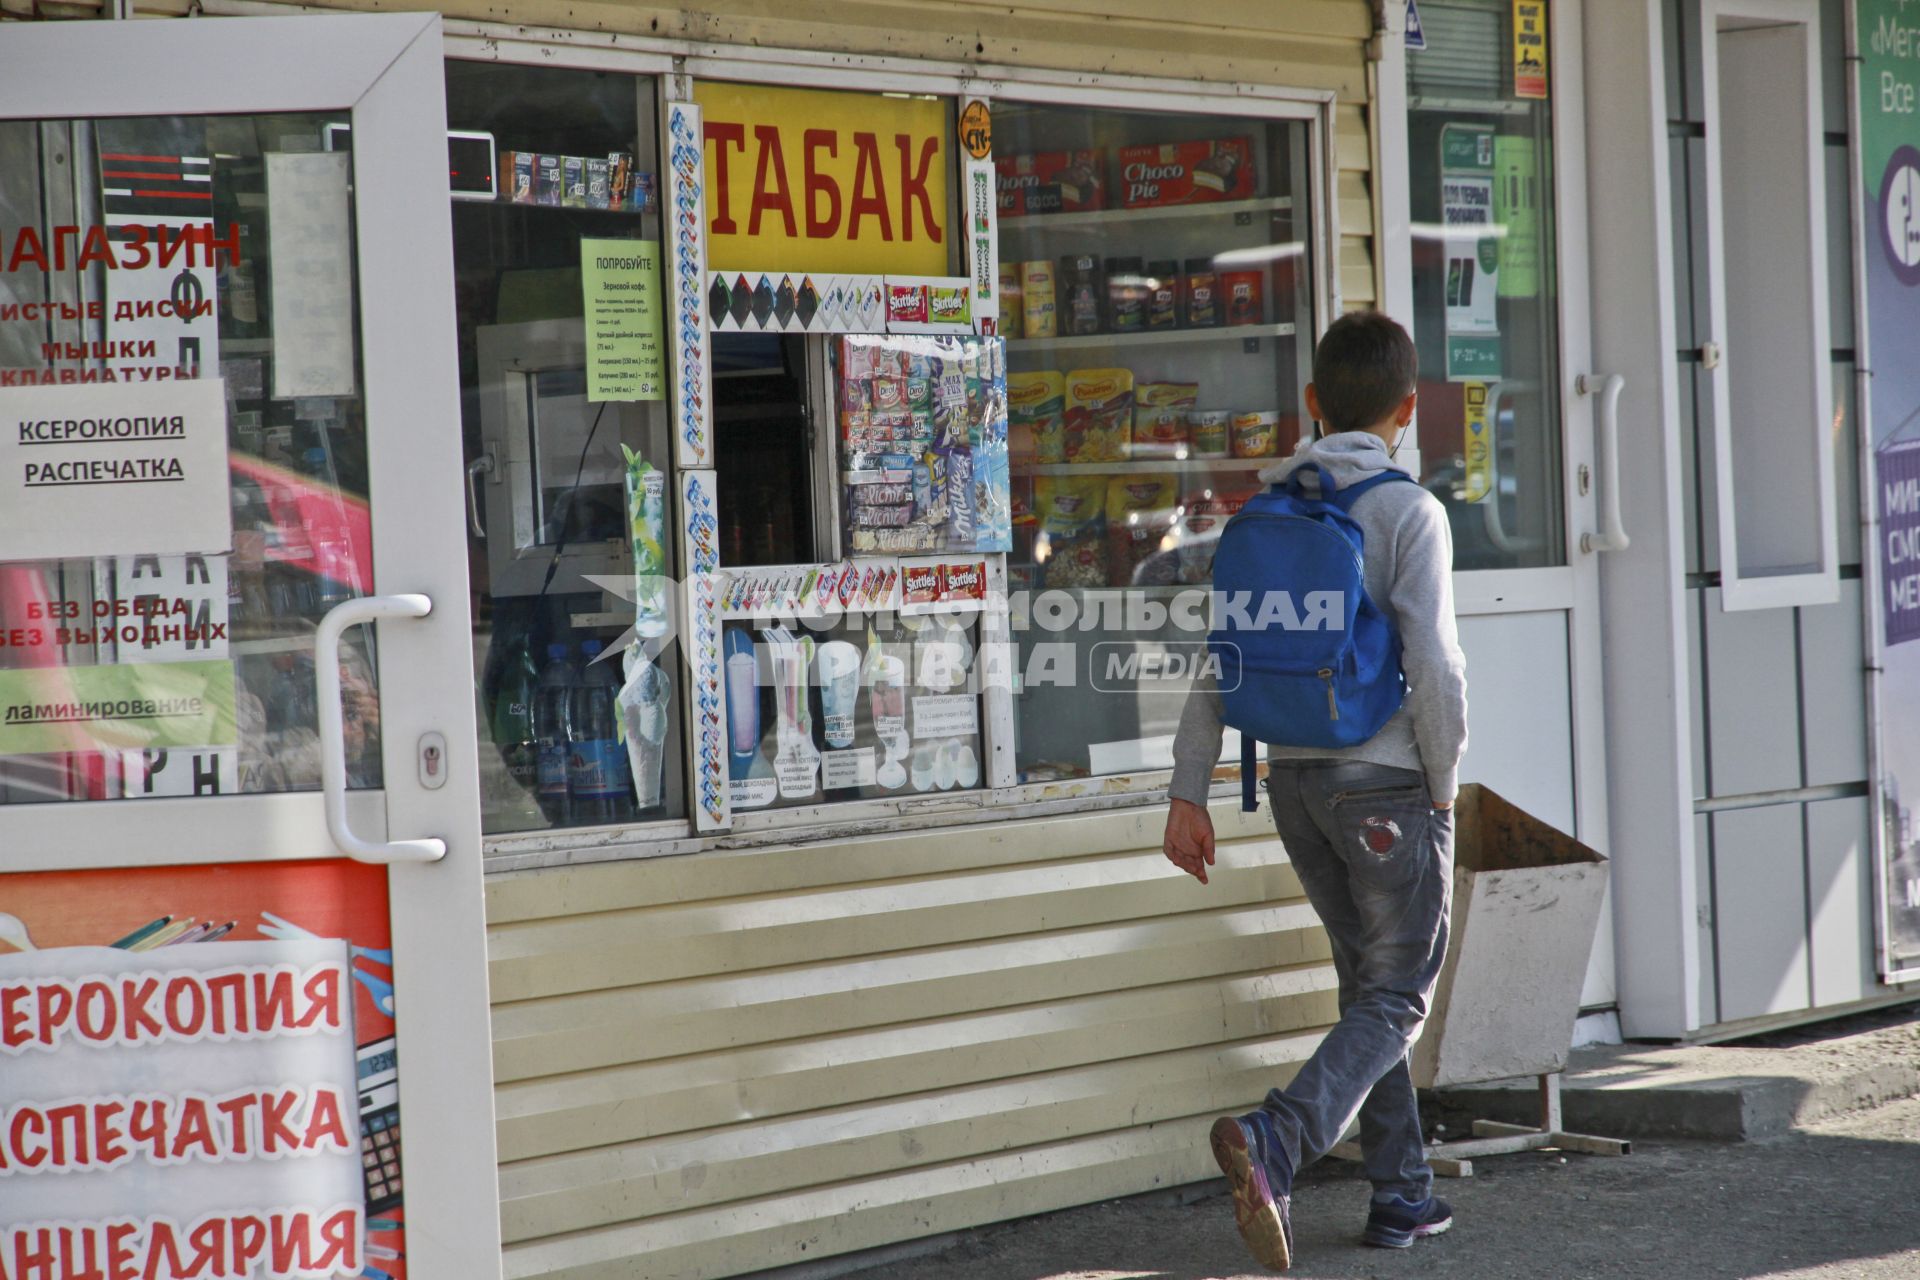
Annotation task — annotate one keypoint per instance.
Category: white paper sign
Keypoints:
(946, 715)
(312, 267)
(752, 793)
(107, 469)
(848, 768)
(148, 1094)
(796, 774)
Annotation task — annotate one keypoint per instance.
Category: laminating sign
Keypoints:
(806, 180)
(105, 469)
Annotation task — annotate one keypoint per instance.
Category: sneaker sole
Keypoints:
(1381, 1238)
(1255, 1211)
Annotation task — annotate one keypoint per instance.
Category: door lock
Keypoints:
(433, 760)
(1710, 355)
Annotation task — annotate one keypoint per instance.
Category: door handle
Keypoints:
(333, 734)
(483, 463)
(1613, 531)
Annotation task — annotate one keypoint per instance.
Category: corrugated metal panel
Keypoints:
(1467, 53)
(692, 1085)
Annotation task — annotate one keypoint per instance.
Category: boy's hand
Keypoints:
(1189, 839)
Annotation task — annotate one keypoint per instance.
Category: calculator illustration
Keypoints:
(379, 1082)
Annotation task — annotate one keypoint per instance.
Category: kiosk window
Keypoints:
(571, 534)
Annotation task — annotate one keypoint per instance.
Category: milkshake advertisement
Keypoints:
(1889, 192)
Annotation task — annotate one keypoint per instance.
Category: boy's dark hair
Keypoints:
(1363, 368)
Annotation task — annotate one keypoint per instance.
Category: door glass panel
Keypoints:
(1484, 268)
(140, 253)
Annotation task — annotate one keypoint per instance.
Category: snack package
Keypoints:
(1050, 182)
(1160, 414)
(1207, 513)
(1099, 415)
(1037, 416)
(1186, 173)
(1073, 535)
(1140, 516)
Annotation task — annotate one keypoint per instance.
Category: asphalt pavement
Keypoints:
(1838, 1199)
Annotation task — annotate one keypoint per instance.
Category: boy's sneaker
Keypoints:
(1249, 1153)
(1398, 1222)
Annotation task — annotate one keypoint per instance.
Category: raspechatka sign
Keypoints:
(105, 469)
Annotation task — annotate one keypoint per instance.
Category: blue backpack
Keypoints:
(1305, 658)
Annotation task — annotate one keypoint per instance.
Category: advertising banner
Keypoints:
(1473, 256)
(200, 1074)
(1889, 192)
(814, 180)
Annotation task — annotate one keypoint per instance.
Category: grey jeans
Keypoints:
(1376, 860)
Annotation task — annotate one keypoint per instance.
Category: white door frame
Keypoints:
(388, 71)
(1572, 588)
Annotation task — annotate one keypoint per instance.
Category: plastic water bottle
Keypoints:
(550, 735)
(597, 775)
(514, 736)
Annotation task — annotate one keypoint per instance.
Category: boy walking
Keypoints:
(1369, 828)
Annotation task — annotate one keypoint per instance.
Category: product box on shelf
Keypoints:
(1174, 173)
(1141, 515)
(1051, 182)
(1099, 424)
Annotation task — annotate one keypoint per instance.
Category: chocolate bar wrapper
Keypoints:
(963, 513)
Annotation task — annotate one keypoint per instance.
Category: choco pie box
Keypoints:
(1051, 182)
(1186, 173)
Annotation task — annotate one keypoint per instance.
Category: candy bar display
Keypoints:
(858, 709)
(1175, 173)
(923, 435)
(1051, 182)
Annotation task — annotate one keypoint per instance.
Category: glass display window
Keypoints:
(573, 547)
(1480, 191)
(1156, 292)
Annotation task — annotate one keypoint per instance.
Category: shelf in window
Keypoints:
(1154, 338)
(497, 203)
(1160, 213)
(1148, 467)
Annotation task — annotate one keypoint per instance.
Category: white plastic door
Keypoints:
(229, 396)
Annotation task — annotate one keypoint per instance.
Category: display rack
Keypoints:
(1152, 338)
(1107, 217)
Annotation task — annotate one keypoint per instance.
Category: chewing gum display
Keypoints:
(923, 430)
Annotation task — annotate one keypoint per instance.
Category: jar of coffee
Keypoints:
(1127, 295)
(1202, 290)
(1082, 294)
(1163, 302)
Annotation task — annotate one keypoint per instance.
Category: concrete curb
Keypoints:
(1726, 1093)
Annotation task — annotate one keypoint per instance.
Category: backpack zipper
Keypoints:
(1333, 707)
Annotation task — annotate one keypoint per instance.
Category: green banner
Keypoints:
(150, 705)
(620, 284)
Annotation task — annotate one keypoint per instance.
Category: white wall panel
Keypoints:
(1840, 875)
(1761, 911)
(1519, 711)
(1752, 704)
(1833, 683)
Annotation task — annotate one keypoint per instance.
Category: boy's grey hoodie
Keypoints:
(1408, 569)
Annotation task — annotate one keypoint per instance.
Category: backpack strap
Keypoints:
(1344, 498)
(1249, 802)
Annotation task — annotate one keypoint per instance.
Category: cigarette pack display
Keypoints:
(1160, 415)
(1051, 182)
(1099, 426)
(546, 180)
(1186, 173)
(516, 176)
(619, 178)
(599, 184)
